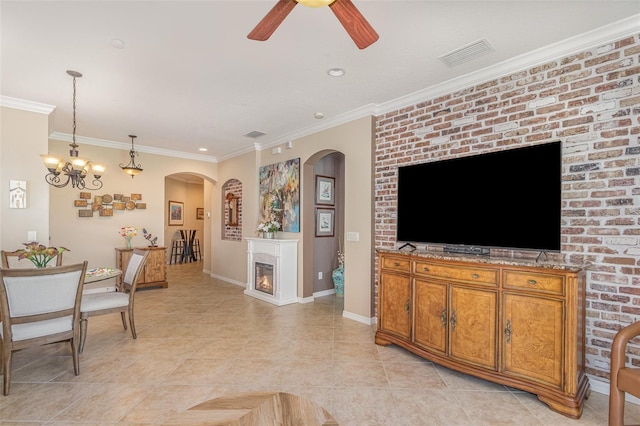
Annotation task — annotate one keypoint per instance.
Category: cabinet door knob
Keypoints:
(475, 276)
(443, 317)
(406, 306)
(532, 282)
(507, 331)
(396, 264)
(425, 269)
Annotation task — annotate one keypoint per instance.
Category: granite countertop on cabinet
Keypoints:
(488, 259)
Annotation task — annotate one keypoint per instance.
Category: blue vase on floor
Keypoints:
(338, 280)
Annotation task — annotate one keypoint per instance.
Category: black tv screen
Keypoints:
(505, 199)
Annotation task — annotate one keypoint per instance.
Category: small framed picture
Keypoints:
(176, 213)
(324, 222)
(325, 190)
(199, 213)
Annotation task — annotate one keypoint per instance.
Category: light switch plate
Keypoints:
(353, 236)
(32, 236)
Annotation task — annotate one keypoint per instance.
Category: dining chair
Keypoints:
(10, 260)
(622, 379)
(39, 306)
(120, 300)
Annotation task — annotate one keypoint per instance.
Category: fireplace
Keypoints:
(264, 277)
(272, 270)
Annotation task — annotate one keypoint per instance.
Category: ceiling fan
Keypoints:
(351, 19)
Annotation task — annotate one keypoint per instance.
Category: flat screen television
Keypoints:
(505, 199)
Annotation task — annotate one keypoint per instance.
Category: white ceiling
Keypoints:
(188, 77)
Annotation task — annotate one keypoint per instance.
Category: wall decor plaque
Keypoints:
(118, 206)
(85, 213)
(97, 199)
(85, 195)
(141, 206)
(107, 198)
(117, 197)
(106, 212)
(80, 203)
(136, 197)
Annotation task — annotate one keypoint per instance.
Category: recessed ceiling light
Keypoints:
(335, 72)
(117, 43)
(319, 115)
(203, 149)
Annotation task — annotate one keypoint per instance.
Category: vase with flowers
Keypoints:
(269, 227)
(39, 254)
(128, 232)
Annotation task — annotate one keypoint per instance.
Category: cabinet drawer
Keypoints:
(458, 273)
(396, 263)
(531, 281)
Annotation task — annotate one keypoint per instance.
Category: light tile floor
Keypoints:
(202, 338)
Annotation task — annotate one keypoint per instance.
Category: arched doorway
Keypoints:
(320, 255)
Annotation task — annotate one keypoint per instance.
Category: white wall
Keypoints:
(23, 137)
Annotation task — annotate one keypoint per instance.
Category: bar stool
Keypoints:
(177, 251)
(196, 249)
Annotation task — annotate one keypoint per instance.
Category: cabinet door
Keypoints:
(154, 270)
(395, 293)
(472, 323)
(430, 315)
(532, 333)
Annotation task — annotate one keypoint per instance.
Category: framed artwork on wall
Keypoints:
(325, 190)
(176, 213)
(17, 194)
(324, 222)
(199, 213)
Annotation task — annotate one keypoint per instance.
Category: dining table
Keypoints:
(95, 275)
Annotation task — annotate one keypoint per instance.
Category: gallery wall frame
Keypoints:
(325, 190)
(325, 220)
(199, 213)
(176, 213)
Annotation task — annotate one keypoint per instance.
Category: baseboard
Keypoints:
(229, 280)
(600, 386)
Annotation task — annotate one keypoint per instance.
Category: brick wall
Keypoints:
(591, 101)
(233, 233)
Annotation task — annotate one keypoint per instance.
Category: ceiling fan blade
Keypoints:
(272, 20)
(352, 20)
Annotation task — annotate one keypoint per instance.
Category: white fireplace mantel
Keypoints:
(282, 255)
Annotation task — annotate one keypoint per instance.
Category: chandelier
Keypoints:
(132, 168)
(73, 170)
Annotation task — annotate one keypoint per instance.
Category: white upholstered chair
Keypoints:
(39, 306)
(121, 300)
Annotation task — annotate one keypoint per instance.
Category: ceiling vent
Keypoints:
(467, 53)
(255, 134)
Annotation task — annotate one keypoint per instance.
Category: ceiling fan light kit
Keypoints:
(360, 31)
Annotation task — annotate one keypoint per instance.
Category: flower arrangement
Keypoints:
(153, 241)
(269, 226)
(38, 254)
(341, 259)
(128, 231)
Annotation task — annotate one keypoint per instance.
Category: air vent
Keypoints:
(467, 53)
(255, 134)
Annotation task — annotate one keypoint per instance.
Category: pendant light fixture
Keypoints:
(75, 169)
(132, 168)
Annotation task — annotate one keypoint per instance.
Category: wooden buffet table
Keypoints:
(513, 322)
(154, 273)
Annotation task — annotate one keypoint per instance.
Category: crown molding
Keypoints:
(591, 39)
(22, 104)
(127, 146)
